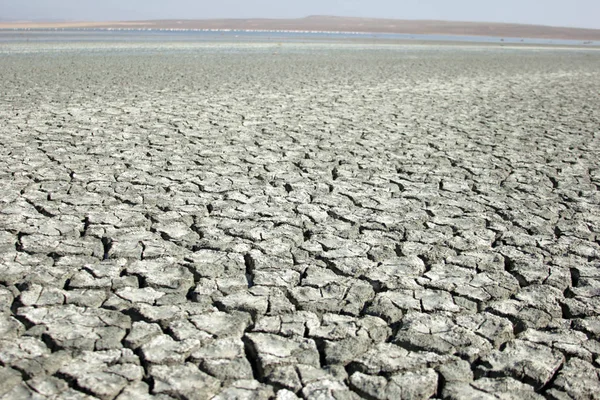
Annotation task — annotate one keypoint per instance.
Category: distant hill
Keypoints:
(346, 24)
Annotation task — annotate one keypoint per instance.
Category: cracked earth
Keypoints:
(409, 223)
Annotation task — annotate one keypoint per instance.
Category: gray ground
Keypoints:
(321, 224)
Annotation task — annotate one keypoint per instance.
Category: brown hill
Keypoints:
(346, 24)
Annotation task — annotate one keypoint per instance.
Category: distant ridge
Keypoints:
(340, 24)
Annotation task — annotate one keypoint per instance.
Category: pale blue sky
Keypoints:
(576, 13)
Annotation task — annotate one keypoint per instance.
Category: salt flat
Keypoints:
(317, 221)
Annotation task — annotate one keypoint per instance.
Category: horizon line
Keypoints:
(79, 21)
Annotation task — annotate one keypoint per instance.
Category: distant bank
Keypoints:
(338, 24)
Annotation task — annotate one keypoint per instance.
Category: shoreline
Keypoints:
(333, 24)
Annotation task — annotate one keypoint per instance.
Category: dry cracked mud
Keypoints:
(320, 223)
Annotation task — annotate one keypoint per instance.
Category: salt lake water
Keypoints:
(142, 35)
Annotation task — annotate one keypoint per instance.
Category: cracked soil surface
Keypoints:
(342, 223)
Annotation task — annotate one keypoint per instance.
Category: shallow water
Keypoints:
(102, 35)
(132, 42)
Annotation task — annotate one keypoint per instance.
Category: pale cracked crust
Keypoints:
(321, 223)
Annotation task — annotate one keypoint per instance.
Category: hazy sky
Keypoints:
(577, 13)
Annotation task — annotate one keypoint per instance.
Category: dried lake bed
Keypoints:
(183, 220)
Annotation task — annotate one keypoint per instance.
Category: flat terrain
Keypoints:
(299, 221)
(343, 24)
